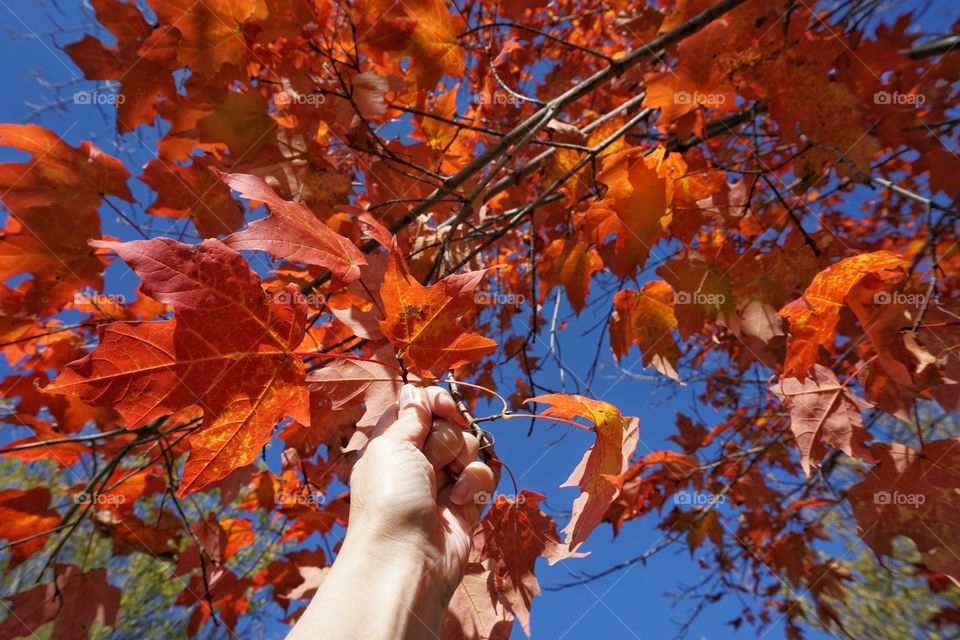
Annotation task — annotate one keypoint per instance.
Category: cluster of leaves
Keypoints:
(751, 190)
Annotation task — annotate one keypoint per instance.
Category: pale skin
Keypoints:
(413, 510)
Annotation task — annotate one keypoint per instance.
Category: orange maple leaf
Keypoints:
(634, 209)
(599, 474)
(212, 31)
(646, 318)
(425, 30)
(227, 350)
(58, 178)
(914, 494)
(515, 532)
(73, 601)
(143, 78)
(569, 262)
(193, 192)
(697, 82)
(426, 323)
(814, 317)
(293, 232)
(26, 513)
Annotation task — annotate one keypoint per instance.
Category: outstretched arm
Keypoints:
(413, 509)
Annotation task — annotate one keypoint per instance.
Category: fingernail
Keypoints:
(461, 492)
(406, 395)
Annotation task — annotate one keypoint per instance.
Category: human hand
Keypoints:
(414, 489)
(413, 509)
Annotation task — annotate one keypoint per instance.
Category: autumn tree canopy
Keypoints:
(757, 196)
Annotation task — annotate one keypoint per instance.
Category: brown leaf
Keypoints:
(823, 412)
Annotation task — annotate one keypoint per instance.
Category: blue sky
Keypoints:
(631, 603)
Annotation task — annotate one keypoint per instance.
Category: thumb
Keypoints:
(413, 416)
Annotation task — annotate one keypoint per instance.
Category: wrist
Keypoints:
(403, 577)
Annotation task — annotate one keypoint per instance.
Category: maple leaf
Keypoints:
(914, 494)
(940, 336)
(372, 119)
(905, 366)
(227, 350)
(74, 601)
(212, 31)
(426, 323)
(438, 132)
(142, 80)
(515, 534)
(702, 290)
(569, 262)
(224, 590)
(57, 178)
(425, 30)
(58, 174)
(804, 99)
(328, 426)
(160, 537)
(26, 513)
(599, 473)
(304, 568)
(125, 486)
(64, 454)
(634, 209)
(814, 317)
(240, 122)
(698, 80)
(347, 381)
(646, 318)
(473, 613)
(823, 412)
(287, 19)
(312, 578)
(368, 91)
(293, 232)
(565, 160)
(193, 192)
